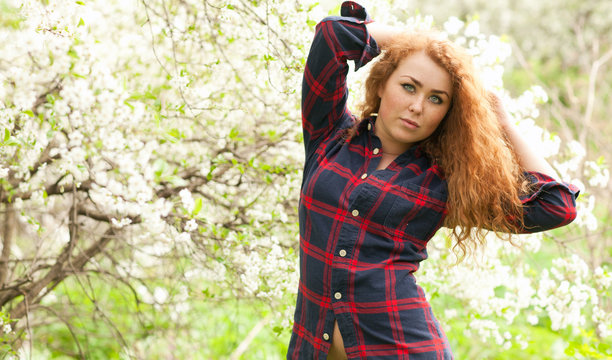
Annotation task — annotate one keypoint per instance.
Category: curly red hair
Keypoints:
(483, 174)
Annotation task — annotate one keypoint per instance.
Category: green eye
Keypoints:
(408, 87)
(435, 99)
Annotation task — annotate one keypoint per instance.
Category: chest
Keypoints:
(402, 198)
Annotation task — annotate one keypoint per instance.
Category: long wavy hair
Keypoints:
(483, 175)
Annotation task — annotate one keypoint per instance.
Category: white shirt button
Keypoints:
(338, 296)
(364, 176)
(355, 212)
(343, 253)
(376, 151)
(369, 126)
(326, 336)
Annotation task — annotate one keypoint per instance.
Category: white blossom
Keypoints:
(191, 225)
(453, 25)
(121, 223)
(472, 29)
(187, 200)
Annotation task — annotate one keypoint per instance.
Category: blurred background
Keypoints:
(150, 165)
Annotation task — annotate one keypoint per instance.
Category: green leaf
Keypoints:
(208, 293)
(198, 206)
(278, 330)
(159, 167)
(500, 291)
(312, 6)
(268, 57)
(7, 135)
(336, 10)
(601, 160)
(233, 135)
(80, 2)
(81, 22)
(570, 350)
(72, 53)
(175, 133)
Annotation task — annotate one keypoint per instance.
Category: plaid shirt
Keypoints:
(363, 232)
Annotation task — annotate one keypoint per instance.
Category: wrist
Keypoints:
(381, 33)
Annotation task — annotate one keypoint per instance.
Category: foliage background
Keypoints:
(150, 164)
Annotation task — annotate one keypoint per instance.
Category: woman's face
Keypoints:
(414, 100)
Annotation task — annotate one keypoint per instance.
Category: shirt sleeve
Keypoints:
(551, 204)
(324, 91)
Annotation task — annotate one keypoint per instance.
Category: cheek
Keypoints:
(442, 114)
(437, 116)
(388, 104)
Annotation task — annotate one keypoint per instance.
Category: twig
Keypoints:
(69, 326)
(244, 345)
(588, 116)
(8, 235)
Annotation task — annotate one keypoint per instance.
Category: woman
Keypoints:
(431, 149)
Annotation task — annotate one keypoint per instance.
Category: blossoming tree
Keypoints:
(154, 147)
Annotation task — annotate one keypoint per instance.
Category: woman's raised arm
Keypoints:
(552, 203)
(337, 40)
(528, 157)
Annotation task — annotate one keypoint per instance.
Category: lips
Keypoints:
(409, 123)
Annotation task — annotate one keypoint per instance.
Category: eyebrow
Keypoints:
(419, 84)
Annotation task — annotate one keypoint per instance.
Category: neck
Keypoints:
(390, 147)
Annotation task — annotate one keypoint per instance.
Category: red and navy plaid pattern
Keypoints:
(363, 232)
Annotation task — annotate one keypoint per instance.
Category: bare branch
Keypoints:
(8, 236)
(588, 116)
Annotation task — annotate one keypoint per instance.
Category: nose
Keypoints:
(417, 105)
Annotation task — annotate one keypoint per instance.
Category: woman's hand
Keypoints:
(528, 157)
(500, 111)
(382, 33)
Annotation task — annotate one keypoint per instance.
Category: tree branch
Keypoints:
(57, 273)
(8, 236)
(588, 115)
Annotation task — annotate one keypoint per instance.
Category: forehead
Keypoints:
(422, 68)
